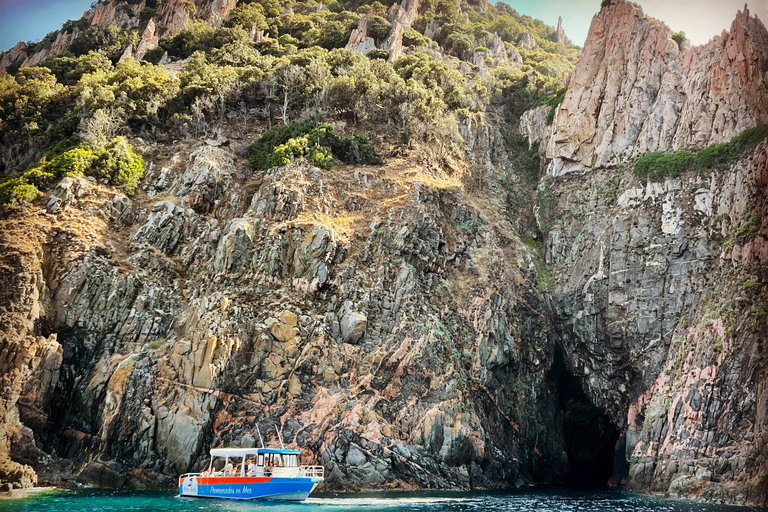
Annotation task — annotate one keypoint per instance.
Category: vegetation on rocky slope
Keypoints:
(446, 316)
(365, 266)
(298, 70)
(658, 165)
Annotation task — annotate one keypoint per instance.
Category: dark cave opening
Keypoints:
(590, 436)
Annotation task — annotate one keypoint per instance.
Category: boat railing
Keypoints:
(303, 471)
(312, 471)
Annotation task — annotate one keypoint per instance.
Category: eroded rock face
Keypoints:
(149, 40)
(656, 323)
(402, 17)
(390, 322)
(359, 40)
(526, 41)
(496, 54)
(15, 55)
(560, 33)
(195, 311)
(636, 90)
(175, 16)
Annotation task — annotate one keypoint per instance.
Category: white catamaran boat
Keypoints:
(253, 473)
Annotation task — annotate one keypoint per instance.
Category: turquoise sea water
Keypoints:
(539, 500)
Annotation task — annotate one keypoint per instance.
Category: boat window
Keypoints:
(261, 460)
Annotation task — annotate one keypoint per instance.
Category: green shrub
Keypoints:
(146, 14)
(356, 150)
(74, 162)
(18, 189)
(658, 165)
(750, 227)
(190, 7)
(24, 187)
(715, 156)
(245, 15)
(198, 37)
(117, 162)
(377, 53)
(263, 147)
(378, 27)
(647, 162)
(314, 142)
(679, 37)
(414, 39)
(301, 147)
(719, 155)
(110, 41)
(750, 138)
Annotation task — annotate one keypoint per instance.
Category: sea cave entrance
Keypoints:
(590, 436)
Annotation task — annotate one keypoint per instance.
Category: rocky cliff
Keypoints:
(430, 322)
(383, 320)
(660, 287)
(636, 90)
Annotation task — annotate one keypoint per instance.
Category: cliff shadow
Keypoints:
(590, 437)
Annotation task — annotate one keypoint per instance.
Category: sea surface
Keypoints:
(539, 500)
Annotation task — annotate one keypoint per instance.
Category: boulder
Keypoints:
(66, 191)
(353, 325)
(526, 41)
(149, 41)
(284, 326)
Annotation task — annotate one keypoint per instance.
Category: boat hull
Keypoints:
(248, 488)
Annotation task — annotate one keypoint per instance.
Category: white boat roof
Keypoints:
(243, 452)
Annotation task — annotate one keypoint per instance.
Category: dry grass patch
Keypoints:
(343, 225)
(430, 178)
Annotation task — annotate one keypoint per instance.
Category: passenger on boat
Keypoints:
(269, 470)
(251, 468)
(229, 469)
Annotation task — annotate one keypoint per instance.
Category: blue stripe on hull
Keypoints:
(296, 489)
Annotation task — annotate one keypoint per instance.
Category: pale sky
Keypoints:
(30, 20)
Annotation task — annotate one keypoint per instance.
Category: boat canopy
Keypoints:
(244, 452)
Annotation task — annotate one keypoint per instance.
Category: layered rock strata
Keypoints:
(399, 324)
(380, 319)
(660, 287)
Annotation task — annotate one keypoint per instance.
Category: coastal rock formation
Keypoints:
(526, 41)
(114, 13)
(401, 16)
(497, 53)
(165, 321)
(636, 90)
(669, 352)
(148, 41)
(14, 56)
(437, 321)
